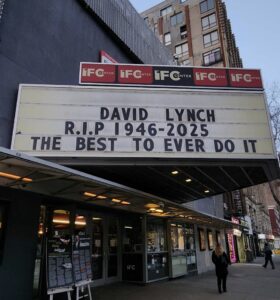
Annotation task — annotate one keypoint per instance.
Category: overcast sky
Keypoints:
(256, 25)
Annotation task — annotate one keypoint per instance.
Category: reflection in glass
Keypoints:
(61, 223)
(80, 225)
(156, 236)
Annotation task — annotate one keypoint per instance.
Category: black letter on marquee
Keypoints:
(69, 126)
(35, 140)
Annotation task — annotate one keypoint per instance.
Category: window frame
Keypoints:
(183, 34)
(175, 17)
(166, 43)
(211, 42)
(209, 25)
(206, 6)
(167, 10)
(185, 62)
(182, 53)
(209, 53)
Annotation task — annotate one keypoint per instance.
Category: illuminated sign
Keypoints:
(138, 122)
(171, 76)
(231, 248)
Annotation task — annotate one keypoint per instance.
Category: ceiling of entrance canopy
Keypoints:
(187, 181)
(25, 173)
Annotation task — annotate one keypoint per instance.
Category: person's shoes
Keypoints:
(220, 291)
(273, 268)
(225, 290)
(263, 266)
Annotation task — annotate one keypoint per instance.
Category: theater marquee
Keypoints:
(138, 122)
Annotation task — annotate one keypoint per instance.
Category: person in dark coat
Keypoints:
(221, 262)
(267, 255)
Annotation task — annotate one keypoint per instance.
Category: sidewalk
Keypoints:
(245, 282)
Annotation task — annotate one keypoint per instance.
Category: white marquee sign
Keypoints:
(138, 122)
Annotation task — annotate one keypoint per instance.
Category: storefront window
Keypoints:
(156, 236)
(157, 263)
(178, 249)
(190, 248)
(132, 244)
(132, 235)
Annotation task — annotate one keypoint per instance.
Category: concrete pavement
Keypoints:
(245, 282)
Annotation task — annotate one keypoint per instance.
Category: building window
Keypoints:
(206, 5)
(181, 50)
(156, 28)
(182, 1)
(183, 32)
(167, 10)
(167, 39)
(146, 20)
(176, 19)
(212, 57)
(210, 39)
(185, 62)
(209, 21)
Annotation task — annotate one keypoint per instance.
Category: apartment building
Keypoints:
(197, 32)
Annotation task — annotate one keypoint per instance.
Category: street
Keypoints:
(245, 282)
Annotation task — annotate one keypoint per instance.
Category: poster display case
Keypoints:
(202, 239)
(210, 239)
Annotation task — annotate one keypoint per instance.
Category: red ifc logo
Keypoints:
(245, 78)
(94, 73)
(210, 77)
(135, 74)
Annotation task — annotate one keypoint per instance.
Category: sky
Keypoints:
(256, 26)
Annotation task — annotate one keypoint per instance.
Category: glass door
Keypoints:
(105, 249)
(178, 250)
(112, 259)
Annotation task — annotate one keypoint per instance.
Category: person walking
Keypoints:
(221, 262)
(268, 255)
